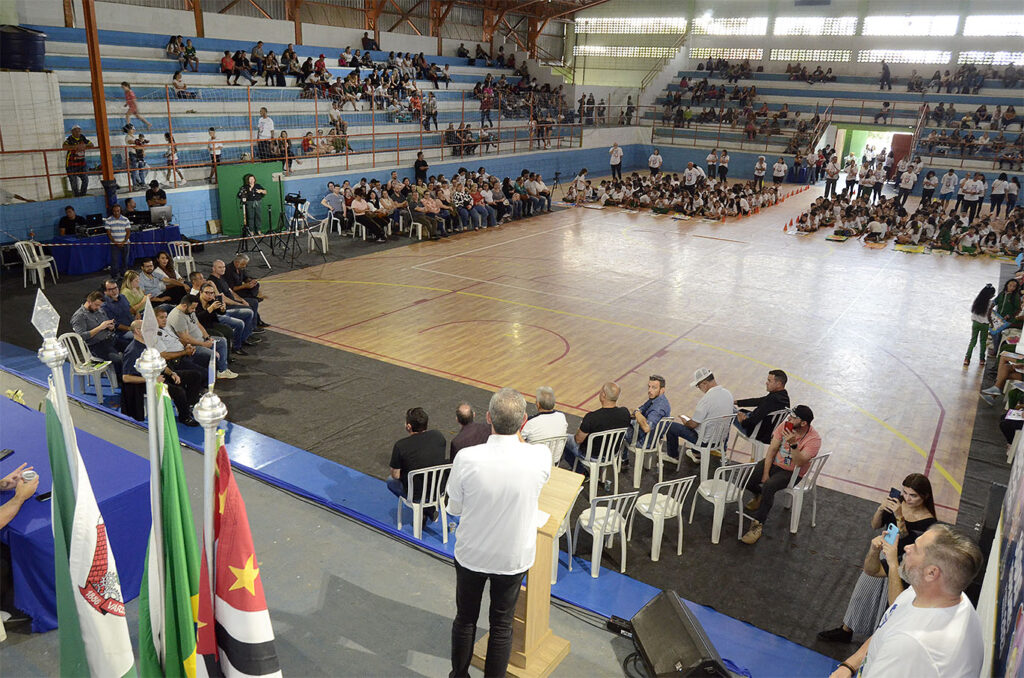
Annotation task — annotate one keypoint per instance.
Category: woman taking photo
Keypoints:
(879, 582)
(176, 286)
(131, 291)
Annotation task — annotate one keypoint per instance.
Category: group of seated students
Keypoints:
(664, 193)
(967, 79)
(736, 108)
(470, 200)
(800, 73)
(935, 224)
(201, 318)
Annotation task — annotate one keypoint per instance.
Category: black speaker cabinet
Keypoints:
(672, 642)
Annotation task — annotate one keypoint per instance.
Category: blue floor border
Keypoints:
(366, 499)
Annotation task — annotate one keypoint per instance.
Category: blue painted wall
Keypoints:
(194, 206)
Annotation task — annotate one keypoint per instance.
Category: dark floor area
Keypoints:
(350, 409)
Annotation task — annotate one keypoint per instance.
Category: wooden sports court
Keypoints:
(872, 340)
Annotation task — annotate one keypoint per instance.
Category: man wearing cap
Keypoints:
(74, 163)
(794, 443)
(716, 402)
(156, 196)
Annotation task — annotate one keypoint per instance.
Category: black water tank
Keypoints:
(22, 49)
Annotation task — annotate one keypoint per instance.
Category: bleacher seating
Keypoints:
(852, 98)
(140, 59)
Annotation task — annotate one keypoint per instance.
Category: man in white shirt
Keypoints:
(716, 402)
(723, 165)
(947, 187)
(690, 176)
(547, 423)
(974, 191)
(931, 630)
(264, 135)
(907, 181)
(831, 177)
(712, 162)
(654, 162)
(615, 158)
(495, 487)
(760, 167)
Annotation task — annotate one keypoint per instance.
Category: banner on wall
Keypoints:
(229, 180)
(1009, 651)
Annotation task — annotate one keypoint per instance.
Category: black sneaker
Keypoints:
(836, 635)
(241, 351)
(258, 330)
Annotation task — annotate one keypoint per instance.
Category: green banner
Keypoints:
(229, 180)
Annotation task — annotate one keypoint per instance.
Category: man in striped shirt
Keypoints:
(118, 232)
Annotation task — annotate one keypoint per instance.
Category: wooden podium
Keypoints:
(536, 651)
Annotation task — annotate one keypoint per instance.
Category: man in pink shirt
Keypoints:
(794, 443)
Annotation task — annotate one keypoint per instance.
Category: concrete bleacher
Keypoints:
(853, 100)
(140, 59)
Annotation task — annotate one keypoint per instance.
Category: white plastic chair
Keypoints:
(431, 481)
(554, 443)
(757, 448)
(712, 435)
(798, 487)
(334, 222)
(564, 529)
(665, 502)
(606, 517)
(84, 366)
(601, 453)
(35, 262)
(181, 253)
(643, 454)
(727, 486)
(318, 234)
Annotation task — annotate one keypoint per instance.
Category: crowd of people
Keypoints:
(468, 201)
(202, 319)
(951, 214)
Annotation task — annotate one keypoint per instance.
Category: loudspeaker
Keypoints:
(672, 642)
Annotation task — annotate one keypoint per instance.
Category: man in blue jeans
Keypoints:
(716, 402)
(495, 488)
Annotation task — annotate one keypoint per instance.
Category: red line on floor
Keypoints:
(565, 342)
(418, 302)
(456, 375)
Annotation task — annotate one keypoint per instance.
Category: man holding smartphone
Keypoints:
(794, 444)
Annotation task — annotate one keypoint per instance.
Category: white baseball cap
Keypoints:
(700, 375)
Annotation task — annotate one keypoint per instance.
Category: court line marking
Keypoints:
(565, 342)
(896, 432)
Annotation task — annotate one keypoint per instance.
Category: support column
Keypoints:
(197, 10)
(99, 104)
(293, 12)
(69, 14)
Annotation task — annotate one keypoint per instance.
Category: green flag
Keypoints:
(167, 631)
(90, 607)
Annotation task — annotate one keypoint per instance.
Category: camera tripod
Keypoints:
(249, 244)
(287, 234)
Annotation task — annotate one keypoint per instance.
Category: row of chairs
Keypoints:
(36, 263)
(613, 515)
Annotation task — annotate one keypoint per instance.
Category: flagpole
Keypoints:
(209, 412)
(150, 365)
(53, 354)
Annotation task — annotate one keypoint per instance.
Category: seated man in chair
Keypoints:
(776, 399)
(794, 443)
(184, 386)
(420, 449)
(716, 402)
(605, 418)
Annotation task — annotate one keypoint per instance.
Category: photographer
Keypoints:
(251, 194)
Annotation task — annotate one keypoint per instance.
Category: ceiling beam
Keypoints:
(228, 6)
(259, 9)
(405, 16)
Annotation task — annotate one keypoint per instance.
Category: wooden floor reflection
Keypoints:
(873, 340)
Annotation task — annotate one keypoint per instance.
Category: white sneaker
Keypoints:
(182, 182)
(227, 374)
(993, 390)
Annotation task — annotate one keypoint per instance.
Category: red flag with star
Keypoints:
(234, 634)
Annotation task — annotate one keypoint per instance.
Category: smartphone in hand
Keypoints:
(896, 494)
(892, 533)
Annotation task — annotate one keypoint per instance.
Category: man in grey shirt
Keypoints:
(183, 322)
(335, 202)
(92, 324)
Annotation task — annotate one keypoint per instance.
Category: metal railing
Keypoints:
(531, 121)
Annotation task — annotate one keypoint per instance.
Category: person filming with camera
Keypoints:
(251, 194)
